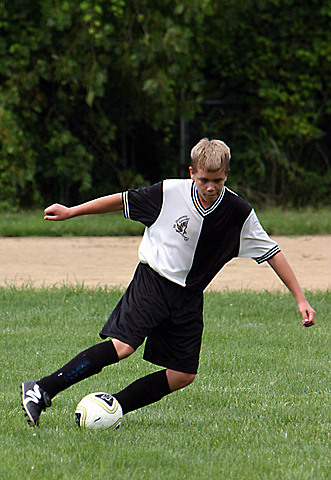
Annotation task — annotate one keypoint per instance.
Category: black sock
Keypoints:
(144, 391)
(85, 364)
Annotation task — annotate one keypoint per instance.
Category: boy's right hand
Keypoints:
(56, 212)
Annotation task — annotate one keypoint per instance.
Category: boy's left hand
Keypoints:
(308, 314)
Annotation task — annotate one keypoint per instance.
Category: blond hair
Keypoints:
(210, 155)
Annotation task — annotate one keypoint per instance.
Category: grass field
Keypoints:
(259, 408)
(275, 222)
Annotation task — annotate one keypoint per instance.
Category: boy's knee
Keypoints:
(123, 349)
(178, 380)
(188, 379)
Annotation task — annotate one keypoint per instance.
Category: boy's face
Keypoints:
(209, 185)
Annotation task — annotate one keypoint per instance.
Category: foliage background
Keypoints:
(99, 95)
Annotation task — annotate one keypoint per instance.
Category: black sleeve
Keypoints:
(143, 204)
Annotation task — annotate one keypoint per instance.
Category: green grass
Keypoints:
(33, 224)
(259, 408)
(275, 222)
(296, 222)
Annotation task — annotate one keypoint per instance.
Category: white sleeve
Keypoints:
(255, 242)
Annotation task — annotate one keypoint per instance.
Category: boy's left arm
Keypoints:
(285, 273)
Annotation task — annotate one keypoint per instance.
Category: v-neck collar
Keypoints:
(199, 207)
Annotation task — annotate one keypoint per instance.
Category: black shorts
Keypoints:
(168, 315)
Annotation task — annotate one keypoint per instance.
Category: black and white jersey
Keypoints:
(188, 244)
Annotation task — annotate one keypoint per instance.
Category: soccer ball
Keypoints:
(98, 410)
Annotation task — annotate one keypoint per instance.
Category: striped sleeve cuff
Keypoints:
(125, 199)
(271, 253)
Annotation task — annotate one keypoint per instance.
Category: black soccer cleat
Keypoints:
(34, 401)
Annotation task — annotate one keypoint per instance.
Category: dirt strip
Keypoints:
(100, 261)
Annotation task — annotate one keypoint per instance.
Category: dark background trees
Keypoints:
(99, 95)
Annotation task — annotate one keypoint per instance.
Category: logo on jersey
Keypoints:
(180, 226)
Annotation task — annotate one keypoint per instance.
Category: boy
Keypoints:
(193, 227)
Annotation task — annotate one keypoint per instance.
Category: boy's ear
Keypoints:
(191, 172)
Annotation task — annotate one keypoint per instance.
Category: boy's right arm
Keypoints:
(110, 203)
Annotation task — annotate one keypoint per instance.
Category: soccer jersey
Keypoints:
(188, 244)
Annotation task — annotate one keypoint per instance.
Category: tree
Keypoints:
(92, 94)
(275, 84)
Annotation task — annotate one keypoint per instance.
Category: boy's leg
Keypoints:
(178, 380)
(84, 365)
(150, 389)
(37, 395)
